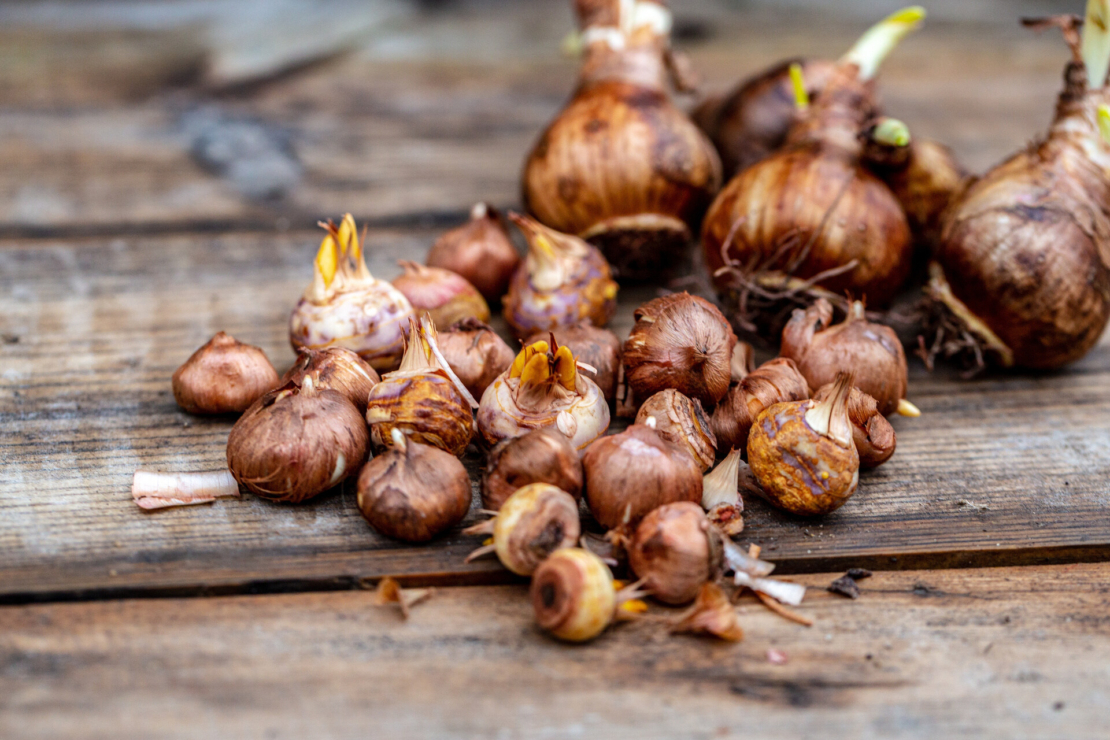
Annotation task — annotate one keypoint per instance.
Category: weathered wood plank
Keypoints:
(1007, 469)
(442, 113)
(992, 653)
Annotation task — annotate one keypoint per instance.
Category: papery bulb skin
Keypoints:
(444, 295)
(598, 348)
(296, 442)
(480, 250)
(675, 550)
(871, 351)
(630, 473)
(872, 434)
(543, 389)
(534, 522)
(682, 342)
(476, 353)
(775, 381)
(561, 282)
(752, 121)
(346, 306)
(222, 377)
(621, 166)
(802, 453)
(573, 596)
(338, 369)
(422, 398)
(413, 492)
(813, 206)
(539, 456)
(682, 422)
(1024, 256)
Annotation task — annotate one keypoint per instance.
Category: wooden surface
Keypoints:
(1008, 653)
(129, 235)
(123, 250)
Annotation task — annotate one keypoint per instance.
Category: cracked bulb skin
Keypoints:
(802, 453)
(621, 166)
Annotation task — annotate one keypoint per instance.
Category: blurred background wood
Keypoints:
(162, 166)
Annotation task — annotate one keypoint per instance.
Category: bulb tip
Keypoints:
(911, 15)
(905, 408)
(798, 82)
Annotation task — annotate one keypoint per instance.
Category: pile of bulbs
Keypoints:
(827, 197)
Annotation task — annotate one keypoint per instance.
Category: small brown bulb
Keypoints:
(338, 369)
(480, 250)
(222, 377)
(446, 296)
(682, 342)
(775, 381)
(872, 434)
(423, 398)
(871, 351)
(413, 492)
(598, 348)
(802, 453)
(682, 422)
(540, 456)
(675, 550)
(573, 596)
(534, 522)
(296, 442)
(476, 353)
(630, 473)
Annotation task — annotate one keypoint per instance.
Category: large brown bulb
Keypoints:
(598, 348)
(813, 206)
(621, 166)
(679, 341)
(413, 492)
(630, 473)
(296, 442)
(1026, 250)
(224, 376)
(540, 456)
(871, 351)
(675, 550)
(752, 121)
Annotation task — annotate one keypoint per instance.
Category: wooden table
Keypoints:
(146, 202)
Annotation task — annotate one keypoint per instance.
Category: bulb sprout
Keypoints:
(797, 80)
(1104, 122)
(879, 40)
(1095, 44)
(891, 132)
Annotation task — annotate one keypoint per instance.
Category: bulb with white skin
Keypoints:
(720, 495)
(543, 388)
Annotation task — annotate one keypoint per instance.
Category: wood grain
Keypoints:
(1007, 469)
(993, 653)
